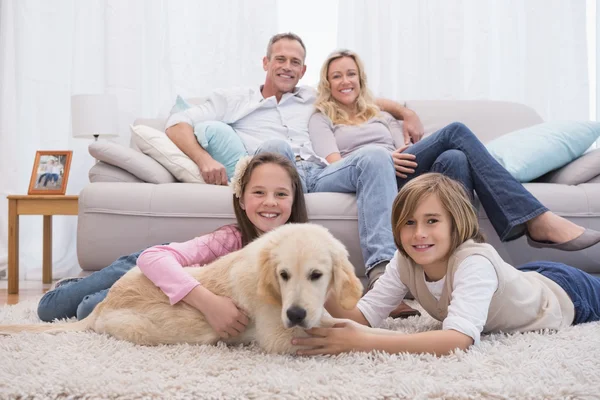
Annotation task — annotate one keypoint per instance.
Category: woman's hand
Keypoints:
(412, 127)
(342, 337)
(221, 313)
(404, 163)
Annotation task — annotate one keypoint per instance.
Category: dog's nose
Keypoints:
(296, 315)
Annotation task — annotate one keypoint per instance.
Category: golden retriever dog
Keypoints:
(281, 279)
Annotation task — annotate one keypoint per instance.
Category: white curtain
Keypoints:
(529, 51)
(143, 51)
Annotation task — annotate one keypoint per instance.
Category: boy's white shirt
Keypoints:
(475, 282)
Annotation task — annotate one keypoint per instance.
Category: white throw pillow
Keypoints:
(157, 145)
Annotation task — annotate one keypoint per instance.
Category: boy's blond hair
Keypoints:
(453, 197)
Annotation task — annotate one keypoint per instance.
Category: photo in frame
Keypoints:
(50, 172)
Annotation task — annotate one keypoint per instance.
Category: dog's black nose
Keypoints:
(296, 315)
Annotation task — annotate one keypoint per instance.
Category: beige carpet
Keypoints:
(88, 366)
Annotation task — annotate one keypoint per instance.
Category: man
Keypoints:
(275, 118)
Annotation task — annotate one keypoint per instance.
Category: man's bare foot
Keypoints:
(549, 227)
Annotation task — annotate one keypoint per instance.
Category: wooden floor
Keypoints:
(27, 290)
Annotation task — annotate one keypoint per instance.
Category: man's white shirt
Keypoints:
(475, 282)
(256, 119)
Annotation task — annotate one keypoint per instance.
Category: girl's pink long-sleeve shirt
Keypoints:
(163, 264)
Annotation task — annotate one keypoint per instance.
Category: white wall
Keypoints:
(315, 21)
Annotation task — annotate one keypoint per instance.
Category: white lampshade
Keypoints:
(94, 115)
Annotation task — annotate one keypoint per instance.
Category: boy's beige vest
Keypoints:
(524, 301)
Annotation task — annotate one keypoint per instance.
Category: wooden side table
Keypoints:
(47, 206)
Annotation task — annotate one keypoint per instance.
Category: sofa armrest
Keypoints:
(582, 170)
(136, 163)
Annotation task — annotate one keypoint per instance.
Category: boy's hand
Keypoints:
(341, 338)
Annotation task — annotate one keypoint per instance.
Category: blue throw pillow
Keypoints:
(531, 152)
(218, 138)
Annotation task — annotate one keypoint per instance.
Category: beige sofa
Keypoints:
(119, 212)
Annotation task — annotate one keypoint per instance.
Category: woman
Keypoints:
(347, 119)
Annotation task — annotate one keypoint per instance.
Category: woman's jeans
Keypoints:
(582, 288)
(78, 298)
(457, 153)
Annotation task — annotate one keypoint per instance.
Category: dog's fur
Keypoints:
(308, 255)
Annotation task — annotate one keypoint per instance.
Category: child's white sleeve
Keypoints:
(386, 295)
(475, 282)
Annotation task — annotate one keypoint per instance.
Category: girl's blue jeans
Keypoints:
(78, 298)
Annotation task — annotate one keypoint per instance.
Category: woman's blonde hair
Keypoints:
(326, 104)
(453, 197)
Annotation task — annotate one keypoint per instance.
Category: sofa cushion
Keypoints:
(103, 172)
(582, 170)
(487, 119)
(130, 160)
(531, 152)
(157, 145)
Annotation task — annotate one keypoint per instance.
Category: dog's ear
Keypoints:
(268, 285)
(346, 285)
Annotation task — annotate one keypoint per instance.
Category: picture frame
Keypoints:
(50, 172)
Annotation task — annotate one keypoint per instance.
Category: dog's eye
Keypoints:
(284, 275)
(315, 275)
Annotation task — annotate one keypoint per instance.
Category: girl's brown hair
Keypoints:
(298, 214)
(454, 198)
(326, 104)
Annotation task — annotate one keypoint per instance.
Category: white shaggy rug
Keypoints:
(549, 365)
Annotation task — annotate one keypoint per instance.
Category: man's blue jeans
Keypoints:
(369, 172)
(79, 298)
(457, 153)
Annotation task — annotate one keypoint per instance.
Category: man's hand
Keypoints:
(413, 128)
(404, 163)
(213, 172)
(341, 338)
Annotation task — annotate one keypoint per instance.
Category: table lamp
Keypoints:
(94, 115)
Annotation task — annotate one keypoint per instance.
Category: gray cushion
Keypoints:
(581, 170)
(132, 161)
(102, 172)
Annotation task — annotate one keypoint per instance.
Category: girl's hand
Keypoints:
(225, 317)
(342, 337)
(404, 163)
(221, 313)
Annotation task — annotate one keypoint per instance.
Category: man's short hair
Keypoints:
(287, 35)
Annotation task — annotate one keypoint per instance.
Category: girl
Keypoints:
(347, 119)
(458, 279)
(267, 194)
